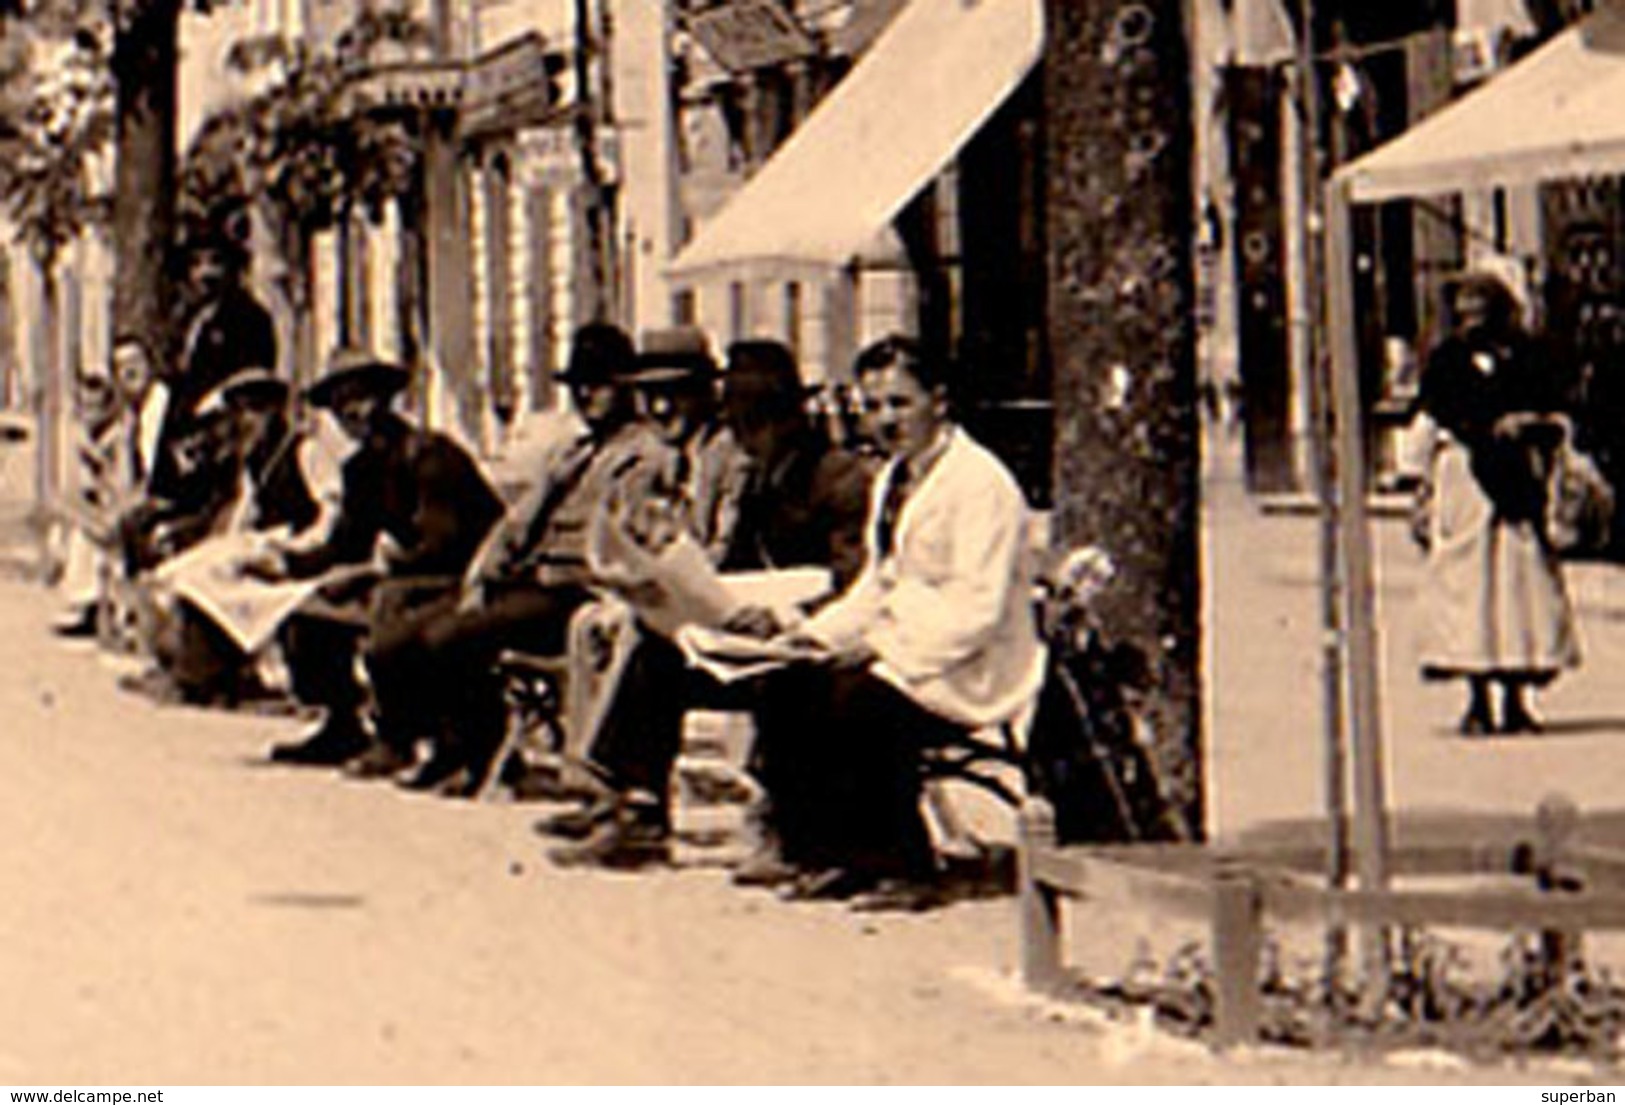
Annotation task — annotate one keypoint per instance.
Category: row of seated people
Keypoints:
(924, 633)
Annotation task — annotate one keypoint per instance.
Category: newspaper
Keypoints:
(733, 657)
(678, 594)
(249, 611)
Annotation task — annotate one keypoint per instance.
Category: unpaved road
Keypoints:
(172, 912)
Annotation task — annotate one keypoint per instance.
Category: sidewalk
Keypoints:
(1265, 754)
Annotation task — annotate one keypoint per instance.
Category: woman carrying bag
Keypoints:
(1496, 608)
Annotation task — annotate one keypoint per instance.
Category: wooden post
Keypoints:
(1040, 905)
(1556, 819)
(1360, 654)
(1238, 939)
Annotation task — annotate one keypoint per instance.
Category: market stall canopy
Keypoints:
(925, 87)
(1554, 115)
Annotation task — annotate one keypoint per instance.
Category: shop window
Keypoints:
(792, 317)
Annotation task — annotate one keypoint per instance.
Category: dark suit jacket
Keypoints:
(1467, 402)
(809, 509)
(232, 333)
(419, 487)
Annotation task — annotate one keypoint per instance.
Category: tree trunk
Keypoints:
(1119, 217)
(51, 408)
(144, 69)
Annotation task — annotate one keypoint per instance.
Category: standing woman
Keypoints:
(1495, 605)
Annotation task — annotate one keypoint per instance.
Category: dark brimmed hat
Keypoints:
(247, 385)
(672, 354)
(600, 353)
(763, 374)
(357, 370)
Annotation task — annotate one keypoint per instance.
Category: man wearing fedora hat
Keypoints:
(676, 381)
(530, 575)
(415, 497)
(803, 504)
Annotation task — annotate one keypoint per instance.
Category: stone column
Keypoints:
(383, 256)
(450, 314)
(1122, 338)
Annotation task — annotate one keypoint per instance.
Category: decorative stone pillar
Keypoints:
(447, 241)
(324, 292)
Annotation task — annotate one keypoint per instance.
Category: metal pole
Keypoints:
(1317, 323)
(1358, 592)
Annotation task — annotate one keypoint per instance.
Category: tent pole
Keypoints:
(1360, 653)
(1316, 324)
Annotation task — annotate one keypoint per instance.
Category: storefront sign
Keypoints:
(750, 34)
(518, 69)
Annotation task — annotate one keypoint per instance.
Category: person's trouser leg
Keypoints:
(458, 657)
(205, 663)
(408, 691)
(642, 733)
(321, 654)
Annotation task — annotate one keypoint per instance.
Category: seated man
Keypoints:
(693, 494)
(415, 496)
(88, 522)
(529, 578)
(936, 637)
(204, 656)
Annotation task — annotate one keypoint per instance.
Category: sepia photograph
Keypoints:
(884, 543)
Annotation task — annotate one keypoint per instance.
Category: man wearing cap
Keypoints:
(202, 656)
(528, 578)
(413, 496)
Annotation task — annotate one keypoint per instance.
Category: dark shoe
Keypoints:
(899, 896)
(578, 824)
(1476, 723)
(625, 842)
(766, 868)
(377, 761)
(836, 884)
(329, 746)
(77, 626)
(439, 771)
(1520, 720)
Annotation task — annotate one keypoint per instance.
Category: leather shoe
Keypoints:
(765, 868)
(836, 884)
(329, 746)
(899, 896)
(578, 824)
(626, 842)
(439, 771)
(377, 761)
(1521, 721)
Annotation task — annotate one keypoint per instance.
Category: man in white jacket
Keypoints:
(935, 638)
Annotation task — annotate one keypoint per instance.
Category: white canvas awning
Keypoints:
(924, 88)
(1554, 115)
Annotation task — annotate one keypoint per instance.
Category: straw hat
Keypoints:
(357, 369)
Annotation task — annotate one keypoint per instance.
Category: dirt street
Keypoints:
(174, 912)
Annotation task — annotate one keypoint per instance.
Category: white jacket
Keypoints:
(949, 612)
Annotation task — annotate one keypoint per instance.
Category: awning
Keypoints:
(1552, 116)
(924, 88)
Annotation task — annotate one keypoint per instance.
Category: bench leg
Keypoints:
(1039, 903)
